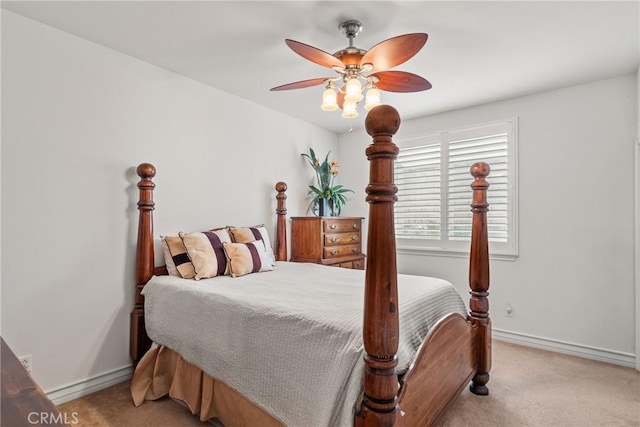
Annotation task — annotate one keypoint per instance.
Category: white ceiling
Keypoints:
(477, 51)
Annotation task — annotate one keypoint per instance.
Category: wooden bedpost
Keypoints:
(381, 326)
(479, 277)
(281, 226)
(139, 341)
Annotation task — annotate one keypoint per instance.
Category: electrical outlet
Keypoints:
(508, 311)
(26, 362)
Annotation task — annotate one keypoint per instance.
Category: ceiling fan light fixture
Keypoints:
(353, 90)
(350, 109)
(362, 71)
(373, 98)
(329, 99)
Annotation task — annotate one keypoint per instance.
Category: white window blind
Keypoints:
(463, 153)
(417, 175)
(432, 174)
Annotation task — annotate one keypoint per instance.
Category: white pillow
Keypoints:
(251, 234)
(207, 253)
(246, 258)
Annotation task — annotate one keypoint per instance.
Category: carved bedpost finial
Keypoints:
(382, 120)
(381, 325)
(281, 226)
(479, 276)
(480, 170)
(146, 170)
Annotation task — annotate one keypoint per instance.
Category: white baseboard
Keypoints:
(594, 353)
(90, 385)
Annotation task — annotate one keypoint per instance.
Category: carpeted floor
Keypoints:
(528, 387)
(531, 387)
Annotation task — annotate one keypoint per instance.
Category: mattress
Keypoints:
(289, 340)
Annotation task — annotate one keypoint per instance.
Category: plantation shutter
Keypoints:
(418, 177)
(463, 151)
(433, 212)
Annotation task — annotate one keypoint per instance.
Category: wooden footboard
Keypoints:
(444, 365)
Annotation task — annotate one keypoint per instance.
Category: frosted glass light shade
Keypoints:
(373, 99)
(349, 110)
(329, 100)
(353, 90)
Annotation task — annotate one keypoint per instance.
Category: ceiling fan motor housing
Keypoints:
(350, 56)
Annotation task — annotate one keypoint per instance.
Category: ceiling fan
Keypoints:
(356, 66)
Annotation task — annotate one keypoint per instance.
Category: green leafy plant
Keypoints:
(325, 192)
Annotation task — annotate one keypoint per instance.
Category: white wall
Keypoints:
(637, 224)
(77, 119)
(573, 282)
(1, 12)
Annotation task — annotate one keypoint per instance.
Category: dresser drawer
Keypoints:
(338, 251)
(341, 225)
(341, 239)
(358, 264)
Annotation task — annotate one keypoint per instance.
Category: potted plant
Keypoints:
(327, 199)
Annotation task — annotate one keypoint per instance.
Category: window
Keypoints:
(432, 214)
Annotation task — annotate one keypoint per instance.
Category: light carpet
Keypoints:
(528, 387)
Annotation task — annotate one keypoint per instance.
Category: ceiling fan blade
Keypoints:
(302, 84)
(401, 81)
(394, 51)
(313, 54)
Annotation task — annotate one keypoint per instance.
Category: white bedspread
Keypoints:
(290, 340)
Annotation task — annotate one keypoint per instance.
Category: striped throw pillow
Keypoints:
(246, 258)
(176, 258)
(207, 253)
(251, 234)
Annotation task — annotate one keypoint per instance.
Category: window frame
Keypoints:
(452, 248)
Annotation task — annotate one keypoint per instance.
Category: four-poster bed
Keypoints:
(457, 348)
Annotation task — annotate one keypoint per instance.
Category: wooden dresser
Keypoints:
(327, 240)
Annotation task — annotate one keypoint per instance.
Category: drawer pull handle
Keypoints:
(354, 225)
(334, 252)
(354, 250)
(332, 226)
(334, 239)
(354, 237)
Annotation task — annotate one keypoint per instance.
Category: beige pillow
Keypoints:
(176, 259)
(207, 253)
(245, 258)
(251, 234)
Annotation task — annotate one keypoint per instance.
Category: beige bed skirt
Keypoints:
(162, 372)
